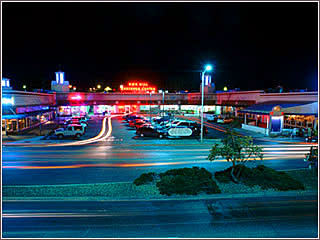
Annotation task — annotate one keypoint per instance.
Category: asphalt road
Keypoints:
(281, 217)
(123, 157)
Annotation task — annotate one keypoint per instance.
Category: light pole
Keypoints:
(163, 91)
(207, 68)
(150, 105)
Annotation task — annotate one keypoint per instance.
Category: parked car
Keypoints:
(313, 139)
(146, 124)
(132, 117)
(139, 123)
(132, 123)
(82, 119)
(224, 120)
(73, 130)
(149, 131)
(212, 117)
(76, 122)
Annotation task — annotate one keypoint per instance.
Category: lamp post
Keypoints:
(150, 106)
(207, 68)
(163, 92)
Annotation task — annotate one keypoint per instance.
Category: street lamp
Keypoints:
(24, 87)
(98, 86)
(207, 68)
(108, 89)
(150, 105)
(163, 92)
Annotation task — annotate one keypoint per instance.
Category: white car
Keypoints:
(73, 130)
(178, 123)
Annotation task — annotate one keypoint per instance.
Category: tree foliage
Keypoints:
(236, 149)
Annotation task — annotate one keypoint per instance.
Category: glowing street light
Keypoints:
(24, 87)
(74, 88)
(98, 86)
(108, 89)
(208, 68)
(225, 89)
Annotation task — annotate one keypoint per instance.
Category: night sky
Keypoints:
(253, 45)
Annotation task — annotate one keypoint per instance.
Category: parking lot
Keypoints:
(93, 128)
(124, 131)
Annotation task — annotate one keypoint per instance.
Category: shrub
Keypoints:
(223, 176)
(144, 178)
(263, 176)
(189, 181)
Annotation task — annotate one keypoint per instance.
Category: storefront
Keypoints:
(269, 118)
(73, 110)
(15, 123)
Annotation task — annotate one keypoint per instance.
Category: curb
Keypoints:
(165, 198)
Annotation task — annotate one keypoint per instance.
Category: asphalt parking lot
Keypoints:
(93, 129)
(125, 134)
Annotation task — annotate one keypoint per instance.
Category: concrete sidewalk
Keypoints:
(202, 196)
(262, 137)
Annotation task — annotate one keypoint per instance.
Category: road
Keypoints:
(123, 157)
(280, 217)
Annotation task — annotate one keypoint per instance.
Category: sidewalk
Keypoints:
(144, 197)
(262, 137)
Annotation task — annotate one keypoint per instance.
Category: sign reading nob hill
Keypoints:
(180, 132)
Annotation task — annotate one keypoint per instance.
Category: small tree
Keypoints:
(238, 150)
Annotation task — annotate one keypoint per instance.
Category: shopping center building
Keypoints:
(259, 111)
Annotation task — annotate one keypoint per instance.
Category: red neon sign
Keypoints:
(137, 87)
(76, 97)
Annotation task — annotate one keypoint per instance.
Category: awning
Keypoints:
(288, 108)
(19, 116)
(12, 116)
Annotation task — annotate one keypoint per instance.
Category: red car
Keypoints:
(132, 123)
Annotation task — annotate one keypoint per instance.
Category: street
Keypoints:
(275, 217)
(122, 157)
(119, 156)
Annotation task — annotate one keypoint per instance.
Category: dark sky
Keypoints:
(253, 45)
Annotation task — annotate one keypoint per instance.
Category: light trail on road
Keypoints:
(103, 135)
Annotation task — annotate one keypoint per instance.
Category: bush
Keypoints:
(263, 176)
(223, 176)
(189, 181)
(144, 178)
(236, 123)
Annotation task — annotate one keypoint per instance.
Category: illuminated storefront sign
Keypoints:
(140, 87)
(8, 101)
(180, 132)
(77, 97)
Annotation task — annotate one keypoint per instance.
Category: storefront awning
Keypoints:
(288, 108)
(12, 116)
(19, 116)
